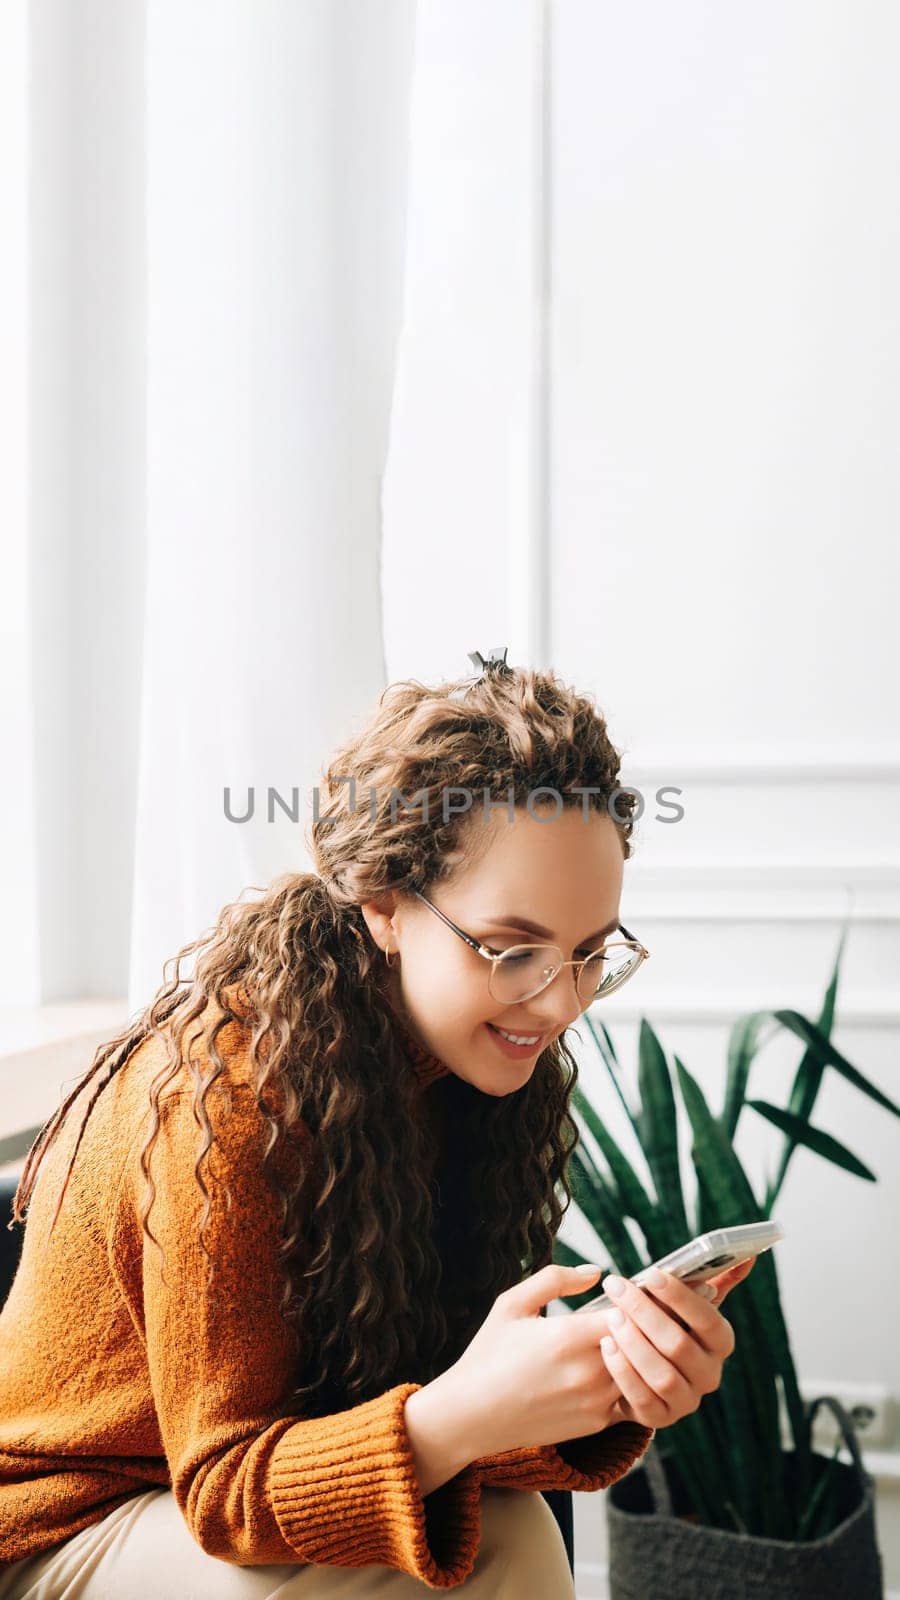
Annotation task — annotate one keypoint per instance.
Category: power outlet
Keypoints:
(871, 1407)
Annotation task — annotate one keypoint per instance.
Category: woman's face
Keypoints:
(563, 874)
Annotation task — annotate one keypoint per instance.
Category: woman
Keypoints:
(277, 1327)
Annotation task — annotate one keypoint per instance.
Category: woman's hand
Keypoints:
(668, 1345)
(527, 1379)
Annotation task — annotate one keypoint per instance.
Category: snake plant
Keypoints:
(729, 1453)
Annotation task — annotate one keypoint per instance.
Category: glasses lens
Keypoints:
(607, 970)
(523, 971)
(528, 968)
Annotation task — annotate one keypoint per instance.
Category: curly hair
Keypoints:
(394, 1256)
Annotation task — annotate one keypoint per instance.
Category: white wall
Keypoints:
(725, 387)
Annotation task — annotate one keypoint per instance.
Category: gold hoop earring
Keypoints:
(387, 955)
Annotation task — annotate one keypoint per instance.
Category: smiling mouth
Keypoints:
(523, 1041)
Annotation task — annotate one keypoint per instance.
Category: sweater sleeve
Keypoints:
(592, 1462)
(254, 1484)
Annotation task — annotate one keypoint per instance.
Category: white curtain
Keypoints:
(201, 296)
(277, 140)
(240, 233)
(466, 551)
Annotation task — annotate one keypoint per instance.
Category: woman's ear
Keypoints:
(378, 914)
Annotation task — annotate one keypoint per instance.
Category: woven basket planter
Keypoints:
(654, 1551)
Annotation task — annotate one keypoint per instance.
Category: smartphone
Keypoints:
(707, 1255)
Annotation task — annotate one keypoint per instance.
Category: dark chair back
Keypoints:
(10, 1238)
(561, 1504)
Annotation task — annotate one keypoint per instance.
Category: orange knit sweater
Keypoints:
(113, 1380)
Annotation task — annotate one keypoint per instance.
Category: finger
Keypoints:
(734, 1274)
(637, 1397)
(587, 1329)
(706, 1291)
(726, 1281)
(675, 1316)
(672, 1308)
(669, 1360)
(621, 1411)
(739, 1270)
(700, 1310)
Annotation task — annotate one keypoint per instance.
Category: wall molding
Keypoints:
(722, 1011)
(751, 868)
(770, 910)
(769, 889)
(762, 766)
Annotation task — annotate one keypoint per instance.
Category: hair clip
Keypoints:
(496, 660)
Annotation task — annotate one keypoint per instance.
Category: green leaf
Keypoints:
(600, 1207)
(608, 1041)
(564, 1256)
(826, 1016)
(632, 1196)
(747, 1399)
(735, 1398)
(808, 1078)
(748, 1391)
(692, 1444)
(814, 1138)
(824, 1051)
(610, 1060)
(819, 1517)
(743, 1044)
(592, 1173)
(658, 1125)
(730, 1192)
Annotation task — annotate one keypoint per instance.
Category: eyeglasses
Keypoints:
(526, 969)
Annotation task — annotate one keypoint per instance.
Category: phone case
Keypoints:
(707, 1255)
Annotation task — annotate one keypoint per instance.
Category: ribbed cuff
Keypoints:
(345, 1492)
(593, 1462)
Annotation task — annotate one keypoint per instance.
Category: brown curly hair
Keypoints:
(393, 1258)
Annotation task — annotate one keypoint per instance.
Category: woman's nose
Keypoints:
(558, 1005)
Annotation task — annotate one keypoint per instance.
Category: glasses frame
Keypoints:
(493, 956)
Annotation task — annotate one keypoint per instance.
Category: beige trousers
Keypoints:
(143, 1550)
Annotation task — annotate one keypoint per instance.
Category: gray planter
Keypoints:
(654, 1552)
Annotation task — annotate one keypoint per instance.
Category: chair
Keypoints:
(10, 1239)
(559, 1500)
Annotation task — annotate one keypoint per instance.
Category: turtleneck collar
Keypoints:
(428, 1067)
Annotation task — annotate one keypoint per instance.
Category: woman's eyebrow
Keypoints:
(545, 933)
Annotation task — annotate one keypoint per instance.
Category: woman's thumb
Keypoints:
(554, 1280)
